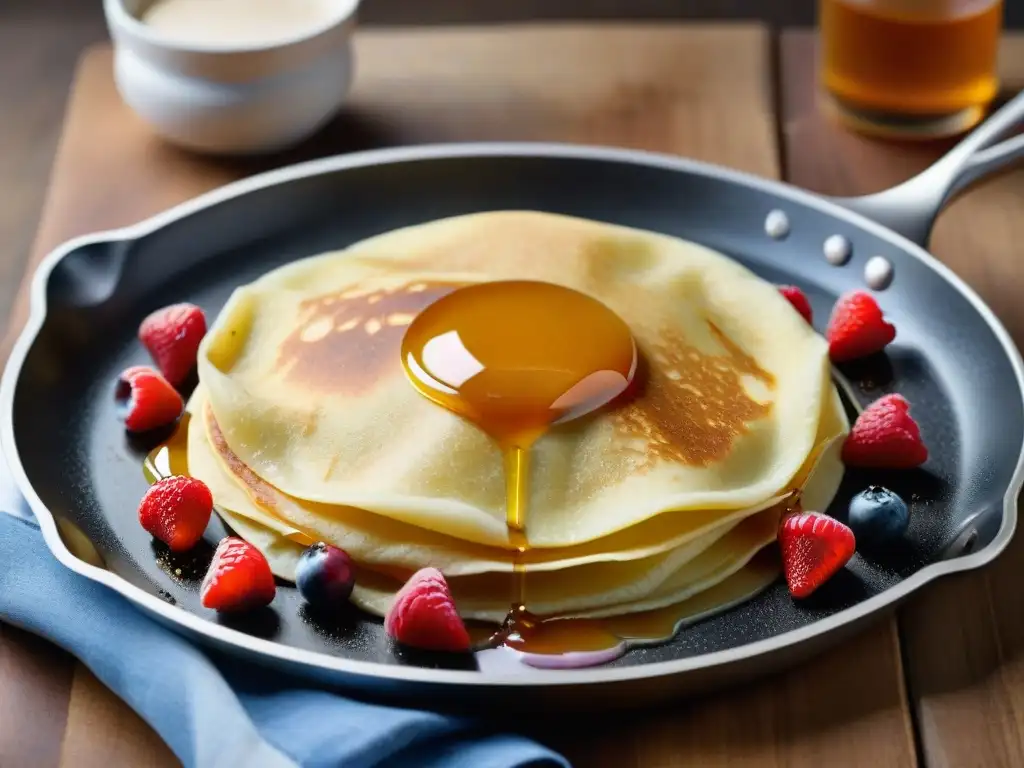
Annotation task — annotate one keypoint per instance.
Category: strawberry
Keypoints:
(813, 548)
(885, 435)
(857, 328)
(239, 578)
(176, 511)
(148, 399)
(423, 614)
(172, 336)
(798, 299)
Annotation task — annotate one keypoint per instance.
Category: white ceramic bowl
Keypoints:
(232, 99)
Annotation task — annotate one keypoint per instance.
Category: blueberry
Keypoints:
(878, 515)
(325, 576)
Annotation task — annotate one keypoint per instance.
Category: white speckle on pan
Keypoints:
(878, 273)
(838, 250)
(776, 224)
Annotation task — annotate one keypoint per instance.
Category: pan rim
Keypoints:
(312, 661)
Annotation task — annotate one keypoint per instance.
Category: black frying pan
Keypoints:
(82, 475)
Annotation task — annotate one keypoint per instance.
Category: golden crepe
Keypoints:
(302, 372)
(306, 428)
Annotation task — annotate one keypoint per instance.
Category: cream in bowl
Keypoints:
(238, 22)
(233, 76)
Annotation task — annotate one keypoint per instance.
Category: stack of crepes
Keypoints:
(306, 428)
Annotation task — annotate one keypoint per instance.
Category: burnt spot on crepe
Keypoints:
(345, 342)
(690, 405)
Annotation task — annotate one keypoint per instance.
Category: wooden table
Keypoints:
(941, 685)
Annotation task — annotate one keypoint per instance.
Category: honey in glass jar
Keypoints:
(915, 68)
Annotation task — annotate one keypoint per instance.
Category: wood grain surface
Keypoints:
(963, 637)
(705, 92)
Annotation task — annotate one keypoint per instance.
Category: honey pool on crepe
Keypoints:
(515, 357)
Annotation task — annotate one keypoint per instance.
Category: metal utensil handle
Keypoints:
(910, 208)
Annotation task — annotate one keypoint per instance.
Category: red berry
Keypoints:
(172, 336)
(239, 578)
(885, 435)
(148, 399)
(813, 548)
(176, 510)
(857, 328)
(798, 299)
(423, 615)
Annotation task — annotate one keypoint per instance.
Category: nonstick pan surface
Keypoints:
(81, 473)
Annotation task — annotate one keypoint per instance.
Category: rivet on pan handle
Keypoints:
(910, 208)
(974, 533)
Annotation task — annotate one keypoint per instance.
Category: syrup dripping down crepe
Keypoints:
(303, 377)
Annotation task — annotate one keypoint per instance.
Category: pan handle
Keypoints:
(910, 208)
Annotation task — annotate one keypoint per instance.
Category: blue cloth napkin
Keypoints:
(225, 713)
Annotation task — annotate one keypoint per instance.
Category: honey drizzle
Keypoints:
(517, 468)
(517, 480)
(515, 357)
(170, 457)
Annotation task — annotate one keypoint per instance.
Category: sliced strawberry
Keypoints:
(176, 510)
(423, 615)
(798, 299)
(813, 548)
(885, 435)
(239, 578)
(857, 328)
(172, 336)
(148, 399)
